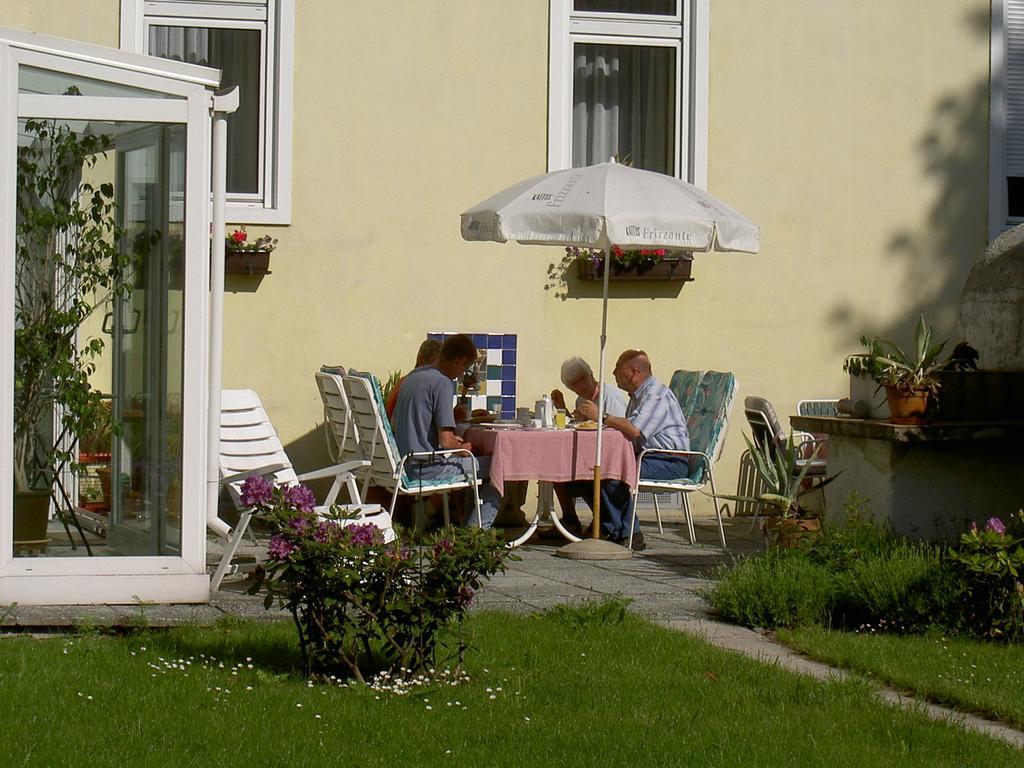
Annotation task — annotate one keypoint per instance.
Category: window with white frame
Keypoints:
(628, 79)
(251, 42)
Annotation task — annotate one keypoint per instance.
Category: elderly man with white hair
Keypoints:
(578, 376)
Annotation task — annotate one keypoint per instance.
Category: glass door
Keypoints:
(146, 351)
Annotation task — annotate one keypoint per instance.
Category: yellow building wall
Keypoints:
(855, 135)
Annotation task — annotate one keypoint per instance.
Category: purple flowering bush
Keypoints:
(362, 606)
(989, 564)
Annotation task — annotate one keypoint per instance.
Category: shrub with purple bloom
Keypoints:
(300, 524)
(257, 491)
(300, 497)
(444, 546)
(326, 530)
(360, 605)
(989, 565)
(364, 534)
(994, 524)
(280, 548)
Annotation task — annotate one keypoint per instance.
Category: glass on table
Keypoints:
(560, 419)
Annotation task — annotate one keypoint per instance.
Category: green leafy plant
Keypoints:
(389, 385)
(781, 475)
(866, 363)
(915, 369)
(781, 588)
(70, 260)
(990, 563)
(362, 606)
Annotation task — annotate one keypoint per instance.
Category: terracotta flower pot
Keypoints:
(904, 408)
(790, 531)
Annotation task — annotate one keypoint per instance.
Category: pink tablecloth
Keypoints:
(554, 455)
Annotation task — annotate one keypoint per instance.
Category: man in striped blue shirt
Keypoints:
(653, 420)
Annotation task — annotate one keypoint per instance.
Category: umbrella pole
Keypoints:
(593, 548)
(595, 530)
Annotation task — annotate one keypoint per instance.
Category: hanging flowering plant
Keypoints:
(238, 241)
(638, 260)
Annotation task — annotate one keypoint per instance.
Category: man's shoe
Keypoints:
(639, 545)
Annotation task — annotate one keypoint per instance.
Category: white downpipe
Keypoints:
(218, 182)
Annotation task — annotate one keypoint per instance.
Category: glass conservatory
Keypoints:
(105, 215)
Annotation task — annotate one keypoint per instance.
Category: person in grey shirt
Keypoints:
(424, 421)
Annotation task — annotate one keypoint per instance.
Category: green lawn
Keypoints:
(972, 675)
(545, 691)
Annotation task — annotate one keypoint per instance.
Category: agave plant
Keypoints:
(392, 381)
(914, 371)
(781, 475)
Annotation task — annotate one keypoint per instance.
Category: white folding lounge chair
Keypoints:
(249, 446)
(342, 435)
(377, 446)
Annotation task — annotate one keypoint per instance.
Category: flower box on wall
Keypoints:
(247, 262)
(669, 268)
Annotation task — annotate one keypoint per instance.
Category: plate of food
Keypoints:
(501, 425)
(585, 426)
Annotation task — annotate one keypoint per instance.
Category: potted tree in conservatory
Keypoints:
(69, 261)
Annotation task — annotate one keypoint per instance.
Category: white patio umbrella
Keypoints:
(604, 205)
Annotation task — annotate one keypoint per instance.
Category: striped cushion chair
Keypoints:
(685, 385)
(710, 405)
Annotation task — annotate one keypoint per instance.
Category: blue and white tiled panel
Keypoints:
(496, 370)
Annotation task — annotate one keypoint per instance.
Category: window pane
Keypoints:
(1015, 196)
(624, 106)
(238, 54)
(49, 83)
(647, 7)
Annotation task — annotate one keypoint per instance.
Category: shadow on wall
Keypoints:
(309, 452)
(936, 258)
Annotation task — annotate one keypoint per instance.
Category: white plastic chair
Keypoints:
(249, 446)
(377, 446)
(707, 425)
(342, 435)
(767, 429)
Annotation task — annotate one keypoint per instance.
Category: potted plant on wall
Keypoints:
(69, 262)
(243, 256)
(910, 377)
(632, 264)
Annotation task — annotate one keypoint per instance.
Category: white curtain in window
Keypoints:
(238, 54)
(181, 44)
(624, 105)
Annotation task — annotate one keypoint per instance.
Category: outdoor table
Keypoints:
(551, 456)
